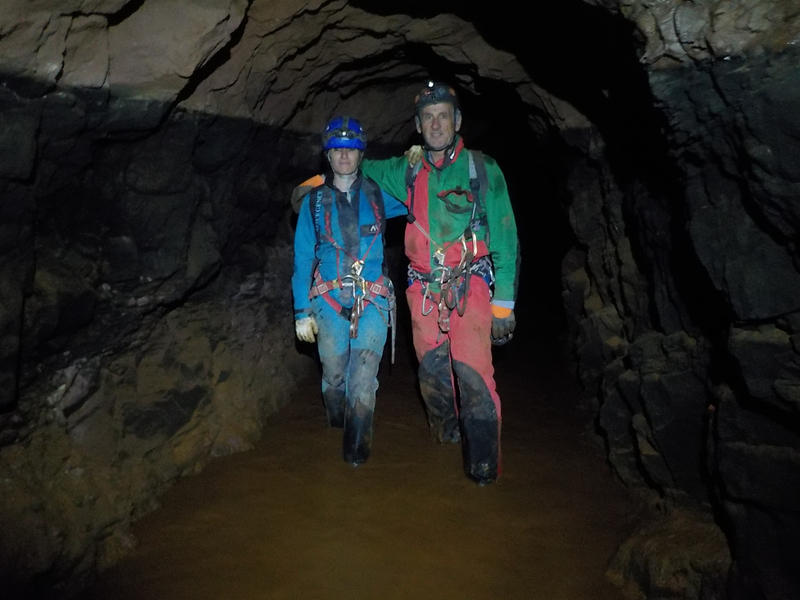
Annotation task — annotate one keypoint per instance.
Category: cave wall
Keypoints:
(146, 327)
(683, 298)
(144, 256)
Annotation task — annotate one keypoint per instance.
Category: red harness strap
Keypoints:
(374, 288)
(369, 289)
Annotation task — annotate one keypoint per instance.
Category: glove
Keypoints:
(413, 155)
(503, 329)
(306, 329)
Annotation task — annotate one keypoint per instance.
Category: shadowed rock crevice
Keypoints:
(129, 8)
(222, 56)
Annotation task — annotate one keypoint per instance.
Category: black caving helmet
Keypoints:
(434, 93)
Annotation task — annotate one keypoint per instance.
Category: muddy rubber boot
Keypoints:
(357, 434)
(480, 426)
(443, 423)
(480, 450)
(436, 385)
(334, 407)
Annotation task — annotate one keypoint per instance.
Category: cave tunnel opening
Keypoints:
(497, 122)
(589, 59)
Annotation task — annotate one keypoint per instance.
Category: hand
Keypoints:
(306, 329)
(413, 155)
(503, 329)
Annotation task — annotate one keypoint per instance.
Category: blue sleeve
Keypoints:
(393, 206)
(305, 245)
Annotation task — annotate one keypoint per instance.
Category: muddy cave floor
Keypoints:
(291, 520)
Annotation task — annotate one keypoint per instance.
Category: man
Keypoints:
(340, 291)
(461, 242)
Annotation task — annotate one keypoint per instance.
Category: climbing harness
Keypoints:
(352, 283)
(359, 289)
(454, 285)
(453, 282)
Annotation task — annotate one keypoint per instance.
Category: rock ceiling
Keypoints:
(285, 64)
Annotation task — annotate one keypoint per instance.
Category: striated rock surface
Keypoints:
(651, 564)
(679, 33)
(115, 429)
(695, 379)
(143, 301)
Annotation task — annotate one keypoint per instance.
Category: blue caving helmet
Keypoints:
(344, 132)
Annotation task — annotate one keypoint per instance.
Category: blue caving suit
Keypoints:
(334, 230)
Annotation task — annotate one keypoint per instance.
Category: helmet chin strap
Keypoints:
(448, 149)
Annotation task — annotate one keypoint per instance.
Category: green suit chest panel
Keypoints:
(448, 218)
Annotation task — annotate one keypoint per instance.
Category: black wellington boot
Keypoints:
(480, 426)
(357, 434)
(334, 407)
(436, 385)
(480, 450)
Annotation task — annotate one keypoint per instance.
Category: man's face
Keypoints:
(344, 161)
(438, 124)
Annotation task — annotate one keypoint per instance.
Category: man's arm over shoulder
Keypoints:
(503, 243)
(393, 206)
(389, 174)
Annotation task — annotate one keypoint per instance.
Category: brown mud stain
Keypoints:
(291, 520)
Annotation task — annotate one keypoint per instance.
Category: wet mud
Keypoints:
(292, 520)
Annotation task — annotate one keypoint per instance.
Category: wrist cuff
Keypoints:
(501, 312)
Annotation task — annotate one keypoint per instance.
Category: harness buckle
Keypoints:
(444, 313)
(438, 257)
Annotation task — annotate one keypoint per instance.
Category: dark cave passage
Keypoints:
(148, 151)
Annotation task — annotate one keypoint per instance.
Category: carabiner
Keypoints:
(426, 296)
